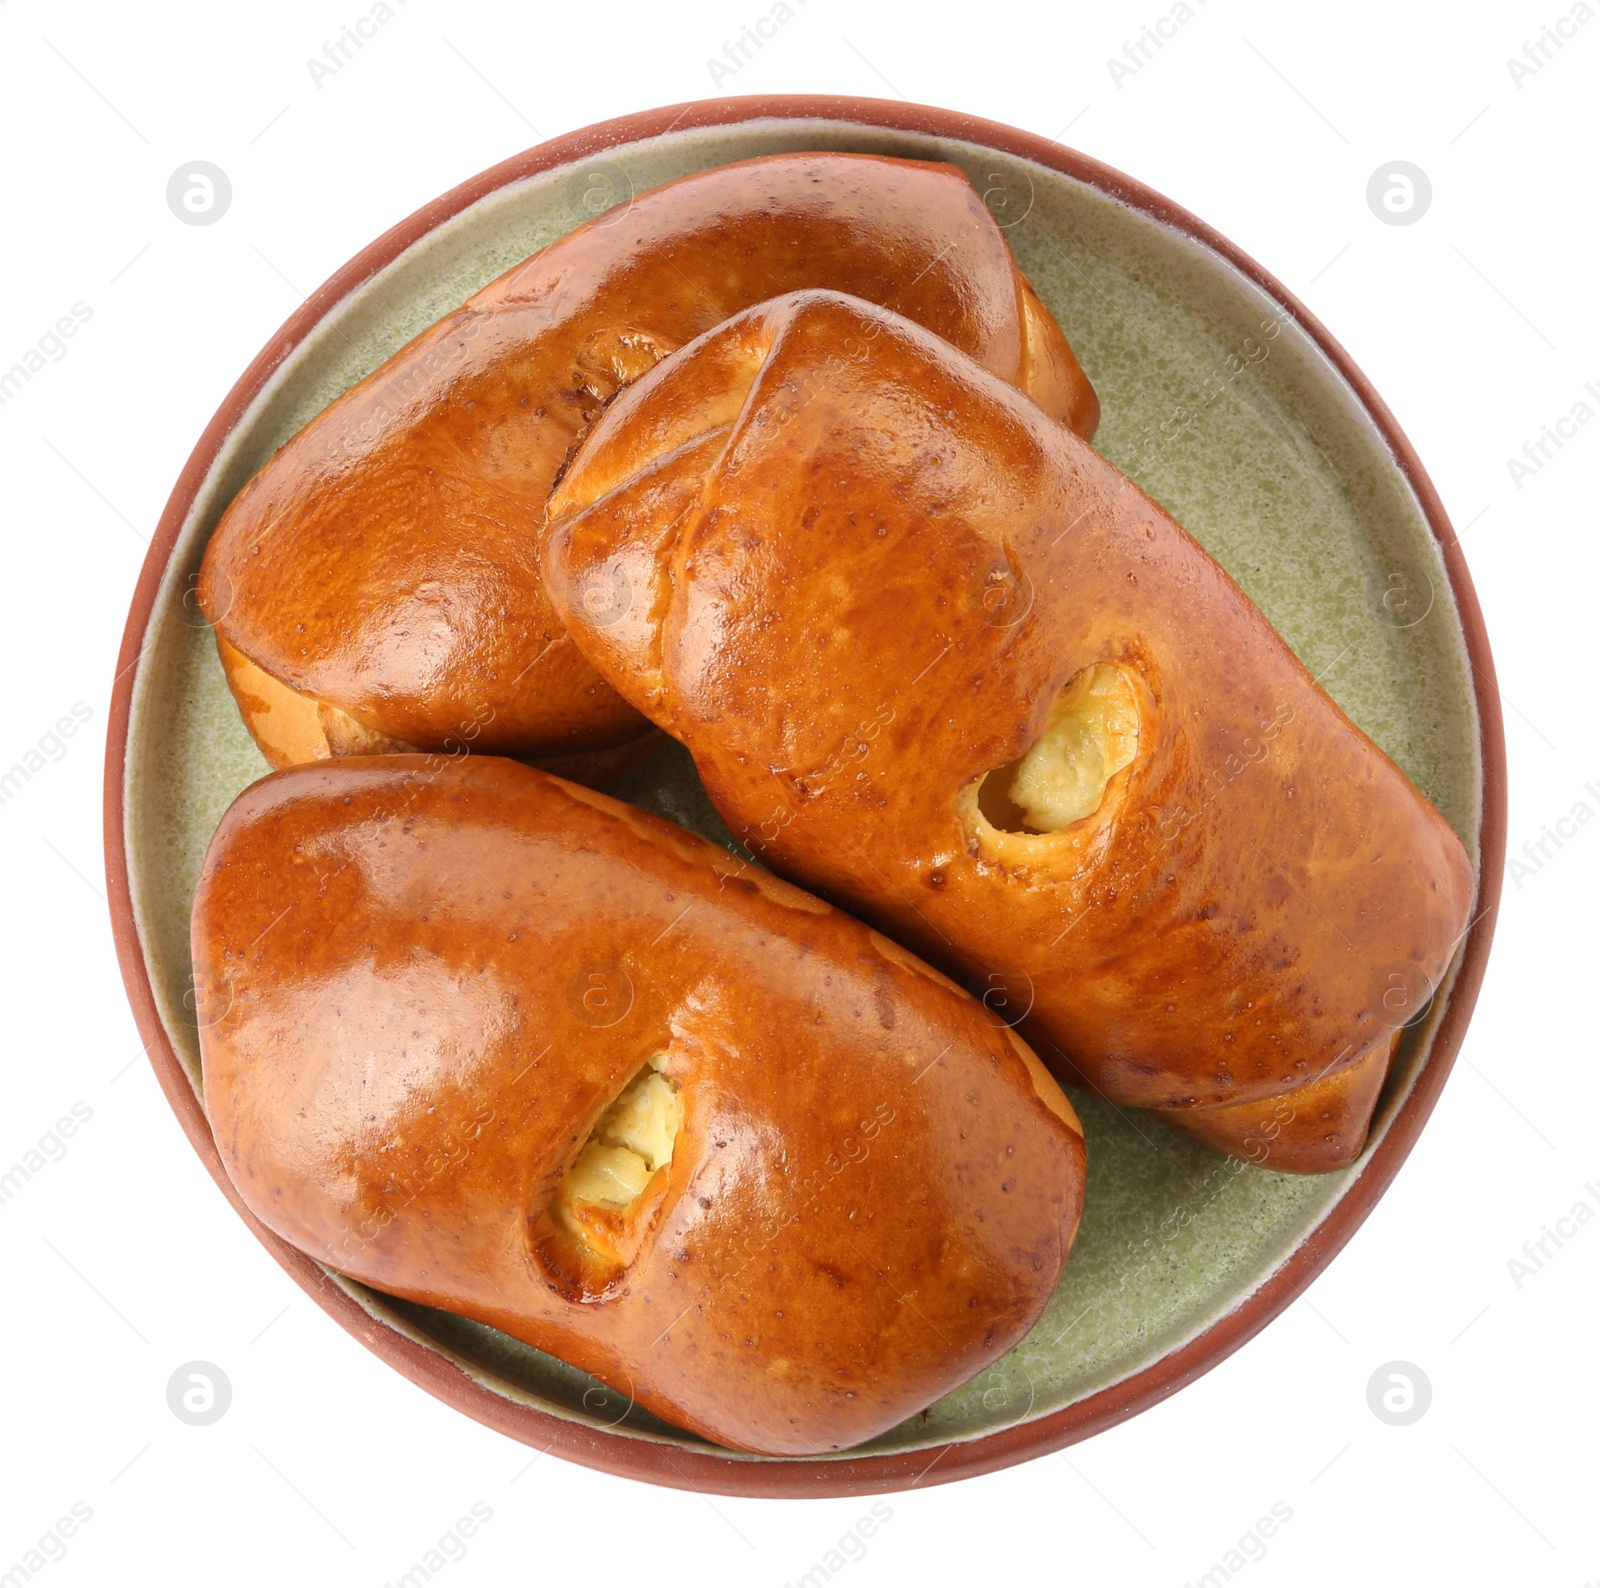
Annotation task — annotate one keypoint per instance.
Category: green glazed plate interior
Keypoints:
(1222, 408)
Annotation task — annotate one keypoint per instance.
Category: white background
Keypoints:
(121, 1261)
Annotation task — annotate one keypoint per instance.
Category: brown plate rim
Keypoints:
(710, 1470)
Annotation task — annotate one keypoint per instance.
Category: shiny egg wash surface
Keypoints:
(1277, 469)
(497, 1044)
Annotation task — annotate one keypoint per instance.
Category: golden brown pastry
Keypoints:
(290, 730)
(1305, 1130)
(938, 660)
(375, 586)
(505, 1046)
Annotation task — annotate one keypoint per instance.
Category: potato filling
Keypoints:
(630, 1142)
(1091, 735)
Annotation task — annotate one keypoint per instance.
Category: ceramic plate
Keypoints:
(1234, 409)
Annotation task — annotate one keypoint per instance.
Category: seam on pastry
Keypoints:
(669, 582)
(314, 702)
(234, 645)
(672, 616)
(1025, 335)
(317, 705)
(1339, 1065)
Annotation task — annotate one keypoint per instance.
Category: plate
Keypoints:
(1222, 397)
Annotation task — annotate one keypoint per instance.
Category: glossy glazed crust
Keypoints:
(291, 730)
(429, 979)
(853, 597)
(1309, 1130)
(385, 561)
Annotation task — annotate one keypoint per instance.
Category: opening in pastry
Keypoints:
(1092, 733)
(631, 1143)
